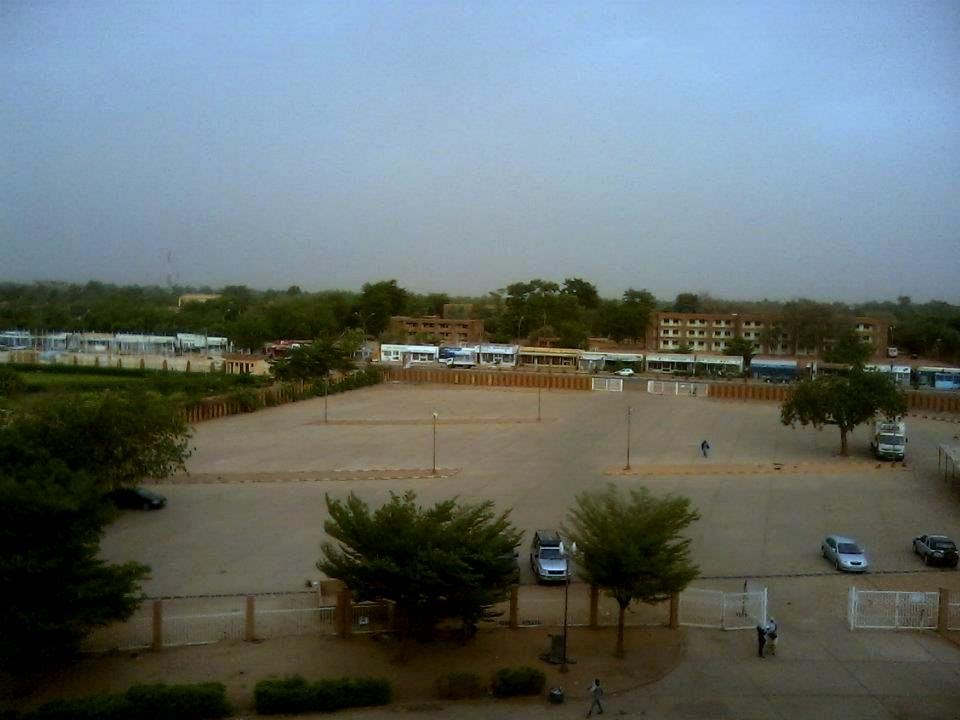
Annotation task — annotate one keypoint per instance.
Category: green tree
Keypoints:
(448, 561)
(631, 545)
(116, 437)
(687, 302)
(379, 302)
(742, 347)
(316, 360)
(585, 292)
(843, 401)
(848, 349)
(56, 588)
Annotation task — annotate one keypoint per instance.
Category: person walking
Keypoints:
(761, 639)
(596, 693)
(705, 448)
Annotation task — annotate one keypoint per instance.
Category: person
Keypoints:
(705, 448)
(772, 635)
(761, 639)
(596, 692)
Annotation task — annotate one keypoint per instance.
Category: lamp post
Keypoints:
(326, 391)
(538, 403)
(566, 596)
(629, 413)
(435, 416)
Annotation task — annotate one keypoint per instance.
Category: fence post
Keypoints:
(250, 629)
(157, 625)
(514, 601)
(674, 611)
(344, 613)
(852, 608)
(943, 611)
(594, 605)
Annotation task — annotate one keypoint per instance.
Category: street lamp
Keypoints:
(435, 416)
(538, 403)
(566, 596)
(326, 391)
(629, 413)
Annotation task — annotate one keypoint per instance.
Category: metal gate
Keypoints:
(608, 384)
(892, 610)
(723, 610)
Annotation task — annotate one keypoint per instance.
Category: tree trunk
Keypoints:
(843, 441)
(620, 620)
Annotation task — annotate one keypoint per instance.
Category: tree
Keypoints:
(585, 292)
(379, 302)
(448, 561)
(843, 401)
(116, 437)
(56, 588)
(687, 302)
(316, 360)
(631, 545)
(742, 347)
(849, 349)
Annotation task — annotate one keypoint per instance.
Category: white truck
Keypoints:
(889, 439)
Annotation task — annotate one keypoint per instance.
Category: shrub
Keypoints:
(96, 707)
(296, 695)
(509, 682)
(459, 685)
(185, 702)
(290, 695)
(11, 383)
(248, 399)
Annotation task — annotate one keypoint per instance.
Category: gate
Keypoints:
(609, 384)
(663, 387)
(723, 610)
(892, 610)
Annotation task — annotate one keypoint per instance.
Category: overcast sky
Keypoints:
(745, 149)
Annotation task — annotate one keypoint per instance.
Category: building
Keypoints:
(238, 364)
(711, 332)
(441, 330)
(409, 354)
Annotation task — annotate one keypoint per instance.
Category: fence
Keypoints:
(723, 610)
(664, 387)
(545, 380)
(176, 622)
(607, 384)
(894, 610)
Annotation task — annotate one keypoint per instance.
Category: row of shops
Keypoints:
(929, 377)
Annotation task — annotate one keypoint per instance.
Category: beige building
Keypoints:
(710, 332)
(446, 331)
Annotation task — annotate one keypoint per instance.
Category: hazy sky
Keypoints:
(745, 149)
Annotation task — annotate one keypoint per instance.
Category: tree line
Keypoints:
(569, 312)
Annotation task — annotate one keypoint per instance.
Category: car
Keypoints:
(548, 558)
(936, 550)
(137, 498)
(845, 553)
(625, 372)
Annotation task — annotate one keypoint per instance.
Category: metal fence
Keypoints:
(663, 387)
(893, 610)
(723, 610)
(953, 616)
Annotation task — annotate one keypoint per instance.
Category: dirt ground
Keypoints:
(651, 653)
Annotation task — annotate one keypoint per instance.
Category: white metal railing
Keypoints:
(608, 384)
(202, 629)
(953, 616)
(289, 622)
(892, 609)
(723, 610)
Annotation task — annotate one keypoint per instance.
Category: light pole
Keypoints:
(566, 597)
(326, 391)
(538, 404)
(629, 413)
(435, 416)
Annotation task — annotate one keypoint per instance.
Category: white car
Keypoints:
(624, 372)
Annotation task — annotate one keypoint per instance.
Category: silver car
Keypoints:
(845, 553)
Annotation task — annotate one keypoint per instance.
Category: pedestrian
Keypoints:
(773, 632)
(705, 448)
(596, 692)
(761, 639)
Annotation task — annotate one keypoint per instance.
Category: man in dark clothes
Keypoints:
(761, 639)
(705, 448)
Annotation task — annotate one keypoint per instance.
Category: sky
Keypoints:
(745, 149)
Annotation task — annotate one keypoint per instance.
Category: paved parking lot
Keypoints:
(225, 530)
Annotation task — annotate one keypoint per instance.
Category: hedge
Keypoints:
(198, 701)
(359, 379)
(296, 695)
(459, 685)
(509, 682)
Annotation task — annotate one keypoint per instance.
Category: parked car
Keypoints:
(936, 550)
(548, 559)
(624, 372)
(137, 498)
(845, 553)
